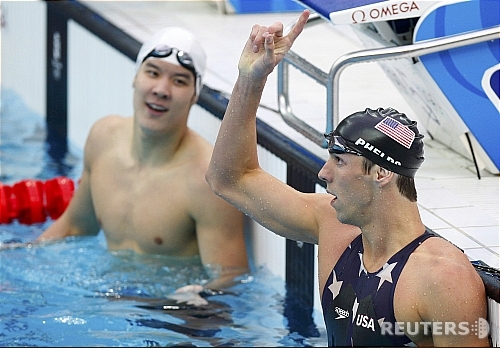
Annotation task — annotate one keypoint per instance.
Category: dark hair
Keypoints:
(406, 185)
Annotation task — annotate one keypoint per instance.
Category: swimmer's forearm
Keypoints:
(227, 278)
(235, 151)
(67, 227)
(9, 246)
(27, 245)
(50, 235)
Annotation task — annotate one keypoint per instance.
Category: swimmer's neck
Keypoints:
(148, 149)
(381, 244)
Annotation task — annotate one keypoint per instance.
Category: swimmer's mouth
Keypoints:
(156, 107)
(334, 196)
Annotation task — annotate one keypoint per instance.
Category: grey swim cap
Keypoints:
(179, 40)
(384, 136)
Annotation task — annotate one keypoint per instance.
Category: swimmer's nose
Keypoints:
(323, 174)
(160, 94)
(162, 89)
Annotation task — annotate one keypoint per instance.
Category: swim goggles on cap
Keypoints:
(337, 145)
(164, 51)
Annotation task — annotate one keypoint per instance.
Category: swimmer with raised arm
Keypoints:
(384, 279)
(143, 181)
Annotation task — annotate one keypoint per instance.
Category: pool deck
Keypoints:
(452, 200)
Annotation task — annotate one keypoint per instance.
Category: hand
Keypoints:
(189, 294)
(267, 47)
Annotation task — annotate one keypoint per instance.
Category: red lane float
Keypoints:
(31, 201)
(58, 193)
(29, 194)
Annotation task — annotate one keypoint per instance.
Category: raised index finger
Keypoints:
(299, 26)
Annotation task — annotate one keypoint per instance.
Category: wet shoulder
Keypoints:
(201, 145)
(440, 261)
(196, 151)
(104, 133)
(107, 127)
(439, 284)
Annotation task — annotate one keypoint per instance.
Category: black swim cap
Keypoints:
(386, 137)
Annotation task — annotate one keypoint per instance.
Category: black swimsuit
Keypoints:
(358, 306)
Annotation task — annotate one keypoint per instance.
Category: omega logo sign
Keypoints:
(383, 11)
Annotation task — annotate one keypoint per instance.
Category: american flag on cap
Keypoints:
(397, 131)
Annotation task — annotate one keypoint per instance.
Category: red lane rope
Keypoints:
(31, 201)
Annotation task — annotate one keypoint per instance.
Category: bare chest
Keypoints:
(146, 212)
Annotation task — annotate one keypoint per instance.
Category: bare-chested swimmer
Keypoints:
(144, 182)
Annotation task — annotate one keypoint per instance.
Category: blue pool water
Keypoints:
(23, 152)
(77, 293)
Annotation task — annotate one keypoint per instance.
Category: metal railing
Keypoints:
(331, 79)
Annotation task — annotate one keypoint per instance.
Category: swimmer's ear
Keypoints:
(383, 176)
(194, 100)
(133, 81)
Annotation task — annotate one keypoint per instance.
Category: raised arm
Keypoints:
(234, 172)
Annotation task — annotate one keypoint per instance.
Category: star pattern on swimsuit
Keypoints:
(361, 265)
(335, 285)
(355, 308)
(385, 274)
(381, 321)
